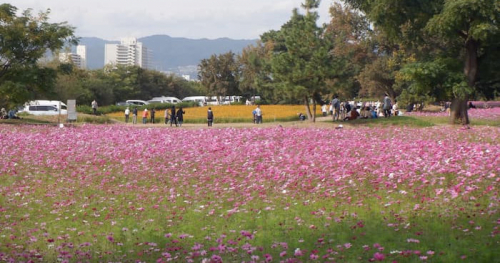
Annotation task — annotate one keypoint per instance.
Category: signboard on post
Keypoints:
(71, 110)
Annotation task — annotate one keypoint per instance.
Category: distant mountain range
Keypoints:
(177, 55)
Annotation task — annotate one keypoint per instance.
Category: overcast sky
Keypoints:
(114, 19)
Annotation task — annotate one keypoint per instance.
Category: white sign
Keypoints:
(71, 110)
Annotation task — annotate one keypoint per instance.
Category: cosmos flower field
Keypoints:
(116, 193)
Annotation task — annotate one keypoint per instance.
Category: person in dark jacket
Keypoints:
(210, 117)
(173, 116)
(134, 115)
(180, 116)
(153, 111)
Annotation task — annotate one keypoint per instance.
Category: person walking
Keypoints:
(134, 115)
(173, 116)
(387, 106)
(258, 114)
(127, 113)
(210, 117)
(167, 116)
(153, 111)
(94, 107)
(180, 116)
(336, 108)
(145, 116)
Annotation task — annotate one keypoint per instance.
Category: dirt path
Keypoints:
(321, 122)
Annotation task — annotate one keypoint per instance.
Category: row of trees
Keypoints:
(25, 39)
(415, 51)
(118, 83)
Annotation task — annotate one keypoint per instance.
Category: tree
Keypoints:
(23, 41)
(218, 74)
(476, 22)
(349, 31)
(256, 73)
(469, 27)
(302, 60)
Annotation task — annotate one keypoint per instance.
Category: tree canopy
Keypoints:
(24, 40)
(461, 29)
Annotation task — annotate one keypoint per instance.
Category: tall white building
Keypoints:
(79, 58)
(128, 52)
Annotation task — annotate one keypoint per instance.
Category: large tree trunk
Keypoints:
(314, 111)
(459, 111)
(459, 105)
(308, 110)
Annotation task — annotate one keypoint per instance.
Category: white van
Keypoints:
(231, 99)
(137, 102)
(45, 107)
(201, 100)
(163, 99)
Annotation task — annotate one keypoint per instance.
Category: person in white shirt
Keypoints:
(258, 114)
(127, 114)
(395, 109)
(323, 109)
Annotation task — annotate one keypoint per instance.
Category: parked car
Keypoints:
(137, 102)
(123, 103)
(201, 100)
(172, 100)
(45, 107)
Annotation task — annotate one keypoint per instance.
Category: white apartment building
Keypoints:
(128, 52)
(79, 58)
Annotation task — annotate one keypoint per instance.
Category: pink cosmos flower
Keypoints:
(378, 256)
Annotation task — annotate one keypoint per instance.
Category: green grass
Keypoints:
(395, 121)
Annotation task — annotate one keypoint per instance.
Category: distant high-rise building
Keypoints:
(128, 52)
(79, 58)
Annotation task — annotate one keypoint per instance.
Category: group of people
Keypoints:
(345, 111)
(257, 115)
(8, 115)
(171, 116)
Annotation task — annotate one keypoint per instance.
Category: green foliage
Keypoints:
(218, 74)
(476, 19)
(23, 40)
(87, 109)
(255, 73)
(94, 119)
(464, 30)
(349, 32)
(438, 78)
(302, 61)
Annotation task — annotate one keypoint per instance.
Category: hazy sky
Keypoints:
(113, 19)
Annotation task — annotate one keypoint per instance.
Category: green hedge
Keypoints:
(114, 108)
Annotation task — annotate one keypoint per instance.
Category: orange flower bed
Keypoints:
(235, 113)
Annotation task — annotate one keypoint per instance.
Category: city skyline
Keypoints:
(113, 20)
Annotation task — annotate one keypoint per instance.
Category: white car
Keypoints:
(45, 107)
